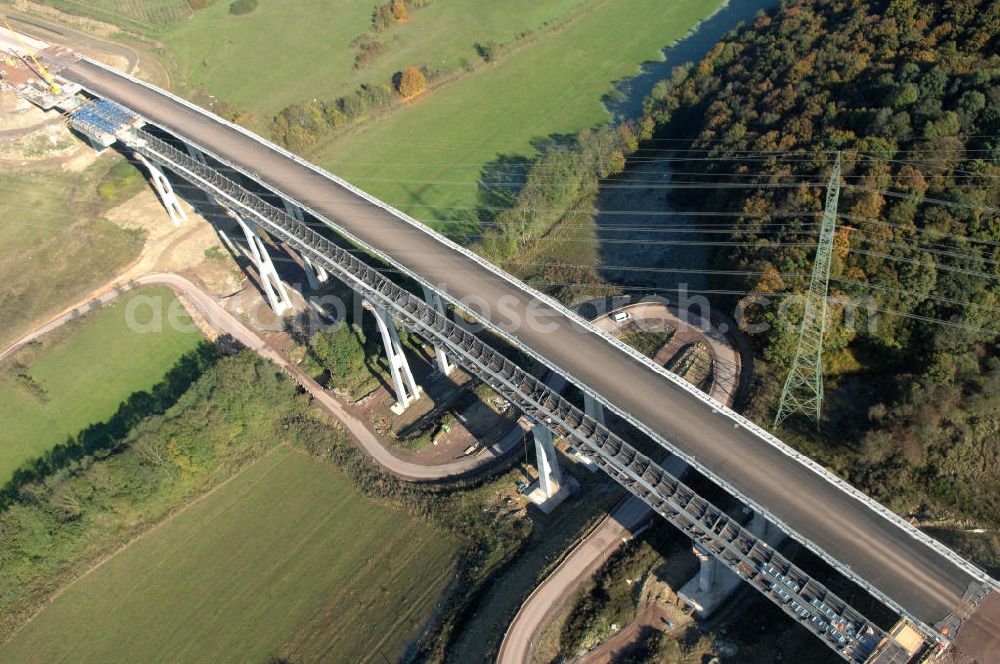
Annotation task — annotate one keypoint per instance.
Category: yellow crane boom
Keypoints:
(53, 86)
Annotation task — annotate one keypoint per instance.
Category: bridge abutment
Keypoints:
(402, 378)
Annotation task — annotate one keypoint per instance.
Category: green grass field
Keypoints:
(54, 245)
(427, 158)
(280, 54)
(286, 561)
(85, 373)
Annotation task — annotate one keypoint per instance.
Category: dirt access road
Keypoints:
(223, 322)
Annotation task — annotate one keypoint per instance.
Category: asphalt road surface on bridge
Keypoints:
(917, 577)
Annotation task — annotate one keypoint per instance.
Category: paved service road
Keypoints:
(907, 570)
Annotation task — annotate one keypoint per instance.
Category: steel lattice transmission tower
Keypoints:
(803, 390)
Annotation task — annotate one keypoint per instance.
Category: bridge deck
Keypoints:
(918, 578)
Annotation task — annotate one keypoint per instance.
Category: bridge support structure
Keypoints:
(196, 154)
(551, 489)
(715, 582)
(593, 408)
(434, 300)
(315, 274)
(165, 190)
(270, 282)
(402, 378)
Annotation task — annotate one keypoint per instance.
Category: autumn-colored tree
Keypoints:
(412, 81)
(615, 164)
(399, 10)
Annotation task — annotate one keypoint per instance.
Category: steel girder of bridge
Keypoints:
(840, 626)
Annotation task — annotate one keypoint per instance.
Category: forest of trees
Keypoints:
(907, 92)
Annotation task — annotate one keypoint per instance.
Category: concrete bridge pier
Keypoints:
(274, 289)
(164, 189)
(593, 408)
(550, 490)
(402, 378)
(715, 582)
(196, 154)
(200, 157)
(315, 274)
(433, 299)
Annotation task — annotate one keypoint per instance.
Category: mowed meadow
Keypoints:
(428, 158)
(55, 244)
(280, 53)
(286, 561)
(555, 61)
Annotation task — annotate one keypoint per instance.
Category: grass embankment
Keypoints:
(309, 53)
(78, 375)
(55, 247)
(433, 153)
(285, 561)
(648, 342)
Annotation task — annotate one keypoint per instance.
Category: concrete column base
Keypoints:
(550, 489)
(537, 496)
(715, 582)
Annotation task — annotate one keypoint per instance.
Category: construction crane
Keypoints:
(53, 86)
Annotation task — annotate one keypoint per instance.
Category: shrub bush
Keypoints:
(241, 7)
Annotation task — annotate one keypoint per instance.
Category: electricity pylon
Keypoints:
(803, 390)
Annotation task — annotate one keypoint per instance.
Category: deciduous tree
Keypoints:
(412, 82)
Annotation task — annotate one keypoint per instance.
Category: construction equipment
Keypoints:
(53, 86)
